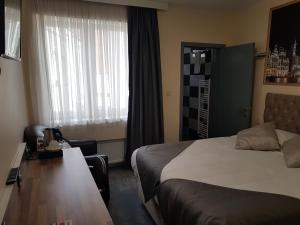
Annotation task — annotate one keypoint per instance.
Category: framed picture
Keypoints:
(283, 48)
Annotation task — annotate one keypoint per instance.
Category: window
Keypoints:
(86, 66)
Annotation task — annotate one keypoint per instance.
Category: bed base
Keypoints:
(151, 206)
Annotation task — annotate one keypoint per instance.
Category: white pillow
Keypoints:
(284, 136)
(291, 152)
(260, 138)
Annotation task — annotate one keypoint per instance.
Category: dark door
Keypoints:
(233, 89)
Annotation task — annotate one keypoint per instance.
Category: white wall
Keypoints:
(13, 114)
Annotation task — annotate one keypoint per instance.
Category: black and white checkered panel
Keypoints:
(191, 126)
(190, 108)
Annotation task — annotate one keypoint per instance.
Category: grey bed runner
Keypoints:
(184, 202)
(150, 162)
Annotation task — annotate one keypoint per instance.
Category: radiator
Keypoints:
(203, 109)
(114, 149)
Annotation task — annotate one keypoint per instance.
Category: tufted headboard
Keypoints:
(284, 110)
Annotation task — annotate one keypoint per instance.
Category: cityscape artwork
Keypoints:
(283, 53)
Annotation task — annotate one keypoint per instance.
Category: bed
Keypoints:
(209, 182)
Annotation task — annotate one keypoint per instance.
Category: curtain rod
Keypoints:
(139, 3)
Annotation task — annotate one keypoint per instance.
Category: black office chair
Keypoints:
(98, 164)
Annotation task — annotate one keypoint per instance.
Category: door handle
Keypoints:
(245, 111)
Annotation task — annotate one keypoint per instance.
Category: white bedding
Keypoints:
(215, 161)
(133, 162)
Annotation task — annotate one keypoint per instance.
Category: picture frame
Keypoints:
(282, 64)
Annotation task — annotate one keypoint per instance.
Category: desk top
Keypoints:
(55, 190)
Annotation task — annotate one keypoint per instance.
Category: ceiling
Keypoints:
(228, 4)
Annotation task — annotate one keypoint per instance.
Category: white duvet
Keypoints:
(215, 161)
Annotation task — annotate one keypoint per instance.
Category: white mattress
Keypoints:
(216, 161)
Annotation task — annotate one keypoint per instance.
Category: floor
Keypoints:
(125, 207)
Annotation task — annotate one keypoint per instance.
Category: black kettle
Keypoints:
(51, 134)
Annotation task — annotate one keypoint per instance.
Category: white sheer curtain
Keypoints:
(80, 75)
(12, 28)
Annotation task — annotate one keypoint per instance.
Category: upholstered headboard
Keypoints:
(284, 110)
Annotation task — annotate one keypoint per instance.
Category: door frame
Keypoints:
(183, 45)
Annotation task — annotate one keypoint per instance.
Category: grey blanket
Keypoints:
(150, 162)
(185, 202)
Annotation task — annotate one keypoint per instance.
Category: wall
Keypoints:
(13, 114)
(179, 23)
(192, 24)
(188, 24)
(253, 26)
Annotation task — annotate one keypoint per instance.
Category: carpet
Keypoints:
(125, 206)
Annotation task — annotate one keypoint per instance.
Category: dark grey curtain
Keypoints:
(145, 116)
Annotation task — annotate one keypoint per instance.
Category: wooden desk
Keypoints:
(55, 190)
